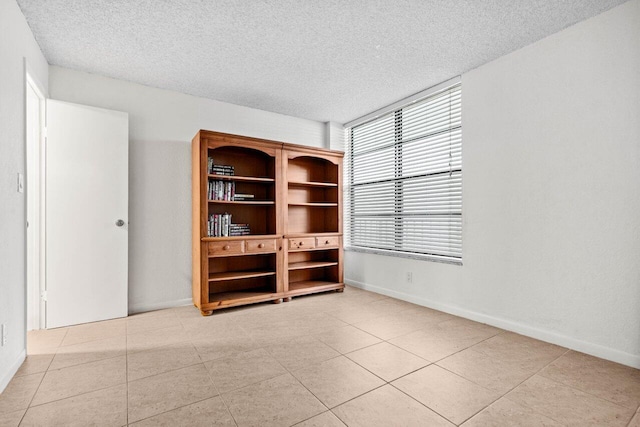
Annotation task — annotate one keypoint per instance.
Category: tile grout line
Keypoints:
(174, 409)
(501, 331)
(431, 409)
(442, 358)
(75, 395)
(575, 389)
(188, 404)
(503, 395)
(224, 402)
(580, 390)
(86, 363)
(533, 375)
(355, 397)
(316, 415)
(313, 394)
(633, 416)
(41, 379)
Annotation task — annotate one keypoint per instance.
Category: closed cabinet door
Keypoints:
(87, 158)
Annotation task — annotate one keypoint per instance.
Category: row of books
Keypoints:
(221, 190)
(219, 169)
(226, 190)
(239, 230)
(220, 225)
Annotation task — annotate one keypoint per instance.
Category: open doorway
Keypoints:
(35, 201)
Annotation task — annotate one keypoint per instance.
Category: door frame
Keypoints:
(35, 256)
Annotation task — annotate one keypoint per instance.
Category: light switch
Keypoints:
(20, 183)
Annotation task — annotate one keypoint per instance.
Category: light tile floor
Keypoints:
(356, 359)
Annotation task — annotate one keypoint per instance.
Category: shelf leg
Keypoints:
(340, 290)
(277, 301)
(287, 299)
(206, 312)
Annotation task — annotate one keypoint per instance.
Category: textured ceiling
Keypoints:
(323, 60)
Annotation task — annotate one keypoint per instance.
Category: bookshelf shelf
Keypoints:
(311, 184)
(281, 238)
(235, 298)
(237, 275)
(312, 286)
(252, 236)
(311, 264)
(236, 295)
(243, 202)
(241, 178)
(315, 204)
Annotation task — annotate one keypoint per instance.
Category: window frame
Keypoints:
(397, 110)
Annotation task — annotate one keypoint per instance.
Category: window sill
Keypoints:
(398, 254)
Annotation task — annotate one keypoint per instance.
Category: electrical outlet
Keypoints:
(4, 334)
(409, 277)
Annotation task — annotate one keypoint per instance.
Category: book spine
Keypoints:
(223, 170)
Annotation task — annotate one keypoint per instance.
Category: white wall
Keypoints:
(551, 198)
(161, 126)
(16, 44)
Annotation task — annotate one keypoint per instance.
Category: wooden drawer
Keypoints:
(302, 243)
(328, 242)
(259, 246)
(226, 248)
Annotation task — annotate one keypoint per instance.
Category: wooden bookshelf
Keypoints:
(313, 221)
(289, 214)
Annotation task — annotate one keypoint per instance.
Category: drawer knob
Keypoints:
(326, 242)
(226, 247)
(301, 243)
(261, 245)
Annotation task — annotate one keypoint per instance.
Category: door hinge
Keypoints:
(43, 296)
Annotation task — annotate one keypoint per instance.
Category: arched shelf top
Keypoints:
(312, 171)
(228, 161)
(258, 151)
(318, 158)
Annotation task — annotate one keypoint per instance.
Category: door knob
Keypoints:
(119, 223)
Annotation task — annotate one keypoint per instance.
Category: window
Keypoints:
(404, 179)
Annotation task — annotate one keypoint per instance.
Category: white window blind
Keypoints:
(404, 179)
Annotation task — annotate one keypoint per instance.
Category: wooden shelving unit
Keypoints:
(292, 220)
(313, 224)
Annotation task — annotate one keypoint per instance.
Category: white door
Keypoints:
(87, 157)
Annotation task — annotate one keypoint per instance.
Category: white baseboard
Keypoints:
(593, 349)
(8, 376)
(142, 307)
